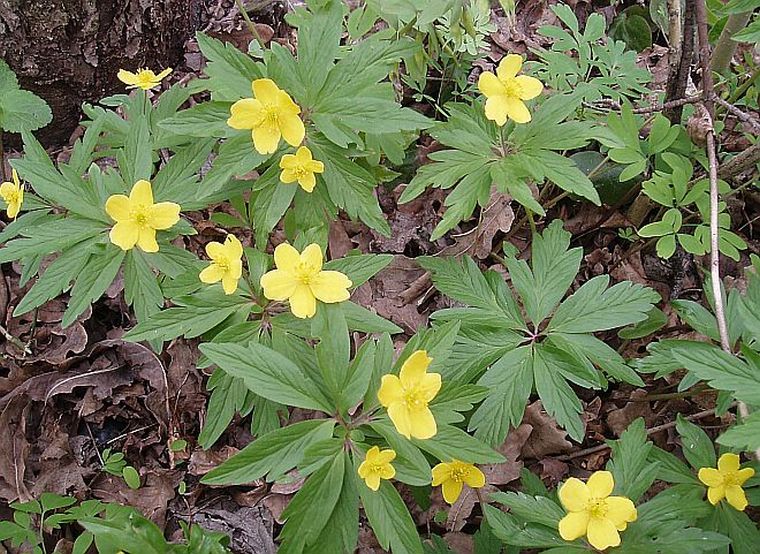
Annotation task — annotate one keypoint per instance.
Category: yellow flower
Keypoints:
(13, 195)
(376, 466)
(300, 279)
(593, 512)
(270, 114)
(726, 481)
(506, 91)
(226, 263)
(137, 217)
(301, 167)
(406, 397)
(453, 475)
(144, 78)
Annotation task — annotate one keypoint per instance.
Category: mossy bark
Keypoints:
(69, 51)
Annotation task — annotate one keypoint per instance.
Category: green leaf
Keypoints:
(390, 519)
(632, 29)
(190, 317)
(21, 110)
(227, 398)
(558, 398)
(451, 442)
(96, 276)
(141, 288)
(594, 307)
(333, 351)
(236, 158)
(312, 506)
(632, 471)
(535, 509)
(207, 119)
(268, 374)
(514, 532)
(131, 477)
(230, 71)
(411, 465)
(670, 468)
(359, 268)
(697, 447)
(744, 435)
(273, 454)
(751, 33)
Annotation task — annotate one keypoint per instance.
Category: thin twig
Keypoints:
(249, 23)
(652, 431)
(744, 117)
(15, 341)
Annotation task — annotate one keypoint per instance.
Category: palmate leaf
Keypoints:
(230, 71)
(21, 110)
(390, 519)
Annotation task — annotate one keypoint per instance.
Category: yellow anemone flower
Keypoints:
(506, 91)
(270, 114)
(593, 512)
(406, 397)
(726, 481)
(226, 263)
(137, 217)
(453, 475)
(299, 278)
(13, 195)
(301, 167)
(376, 466)
(145, 79)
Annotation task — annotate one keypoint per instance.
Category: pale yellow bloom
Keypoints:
(13, 195)
(453, 475)
(726, 481)
(144, 78)
(226, 263)
(376, 466)
(406, 397)
(506, 91)
(137, 217)
(271, 114)
(299, 278)
(593, 512)
(301, 167)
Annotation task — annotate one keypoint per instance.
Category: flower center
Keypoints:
(729, 479)
(12, 197)
(139, 217)
(414, 399)
(271, 115)
(305, 273)
(458, 474)
(511, 88)
(300, 171)
(222, 263)
(376, 468)
(597, 508)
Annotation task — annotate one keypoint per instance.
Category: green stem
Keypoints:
(3, 177)
(739, 92)
(249, 23)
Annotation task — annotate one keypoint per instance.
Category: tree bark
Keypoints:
(69, 51)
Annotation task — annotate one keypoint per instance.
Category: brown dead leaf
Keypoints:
(509, 470)
(203, 461)
(497, 216)
(276, 504)
(462, 508)
(461, 543)
(152, 498)
(13, 449)
(619, 419)
(547, 437)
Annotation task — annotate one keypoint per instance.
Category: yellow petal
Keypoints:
(146, 240)
(475, 478)
(600, 484)
(312, 256)
(266, 138)
(302, 302)
(414, 368)
(124, 235)
(229, 283)
(7, 189)
(390, 390)
(372, 454)
(288, 161)
(496, 109)
(163, 74)
(330, 286)
(743, 474)
(430, 385)
(373, 481)
(517, 111)
(13, 209)
(308, 182)
(728, 462)
(451, 490)
(285, 104)
(574, 495)
(292, 129)
(573, 525)
(127, 77)
(247, 113)
(117, 207)
(736, 497)
(400, 417)
(288, 176)
(386, 456)
(315, 166)
(14, 176)
(278, 285)
(215, 250)
(387, 471)
(142, 193)
(530, 87)
(163, 215)
(364, 469)
(422, 424)
(621, 511)
(211, 274)
(509, 66)
(286, 257)
(266, 91)
(710, 476)
(303, 155)
(489, 85)
(602, 533)
(233, 247)
(716, 494)
(441, 472)
(236, 268)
